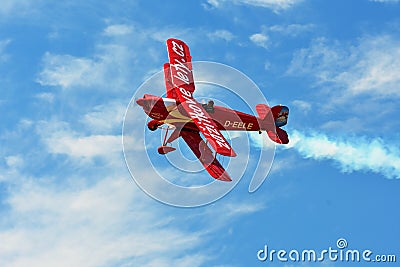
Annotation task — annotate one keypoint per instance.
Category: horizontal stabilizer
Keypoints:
(279, 136)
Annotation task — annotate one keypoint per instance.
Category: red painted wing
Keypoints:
(180, 63)
(168, 82)
(205, 155)
(182, 80)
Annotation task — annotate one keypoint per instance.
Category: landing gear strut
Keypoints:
(164, 149)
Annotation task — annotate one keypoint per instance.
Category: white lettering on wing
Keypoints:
(175, 46)
(180, 65)
(181, 71)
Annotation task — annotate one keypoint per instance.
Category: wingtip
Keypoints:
(225, 177)
(222, 177)
(218, 172)
(228, 153)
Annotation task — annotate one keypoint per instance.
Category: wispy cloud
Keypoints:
(14, 7)
(105, 118)
(385, 1)
(92, 217)
(369, 67)
(3, 45)
(95, 217)
(221, 34)
(302, 105)
(122, 55)
(273, 34)
(291, 29)
(118, 29)
(102, 72)
(260, 39)
(14, 161)
(350, 154)
(108, 223)
(85, 144)
(275, 5)
(47, 97)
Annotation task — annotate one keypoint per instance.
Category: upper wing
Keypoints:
(182, 80)
(204, 154)
(168, 82)
(180, 65)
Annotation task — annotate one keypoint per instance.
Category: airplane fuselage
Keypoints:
(167, 110)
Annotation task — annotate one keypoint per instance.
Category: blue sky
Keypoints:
(69, 70)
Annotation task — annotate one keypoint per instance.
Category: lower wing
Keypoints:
(205, 155)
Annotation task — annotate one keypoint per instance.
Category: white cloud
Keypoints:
(3, 46)
(109, 223)
(118, 29)
(339, 125)
(121, 58)
(14, 7)
(302, 105)
(105, 118)
(272, 35)
(214, 3)
(47, 97)
(370, 67)
(67, 71)
(92, 214)
(96, 215)
(60, 139)
(221, 34)
(106, 71)
(260, 39)
(352, 154)
(14, 161)
(291, 29)
(377, 70)
(85, 147)
(275, 5)
(101, 218)
(385, 1)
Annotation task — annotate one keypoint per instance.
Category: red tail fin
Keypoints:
(281, 114)
(279, 118)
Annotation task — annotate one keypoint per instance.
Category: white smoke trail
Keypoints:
(353, 154)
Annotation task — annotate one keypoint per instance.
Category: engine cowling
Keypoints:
(154, 124)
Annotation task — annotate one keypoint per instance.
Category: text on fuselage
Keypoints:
(238, 125)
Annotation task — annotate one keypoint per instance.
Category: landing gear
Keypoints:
(164, 149)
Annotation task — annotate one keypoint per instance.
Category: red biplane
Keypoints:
(189, 118)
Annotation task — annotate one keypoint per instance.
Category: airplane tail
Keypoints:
(280, 116)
